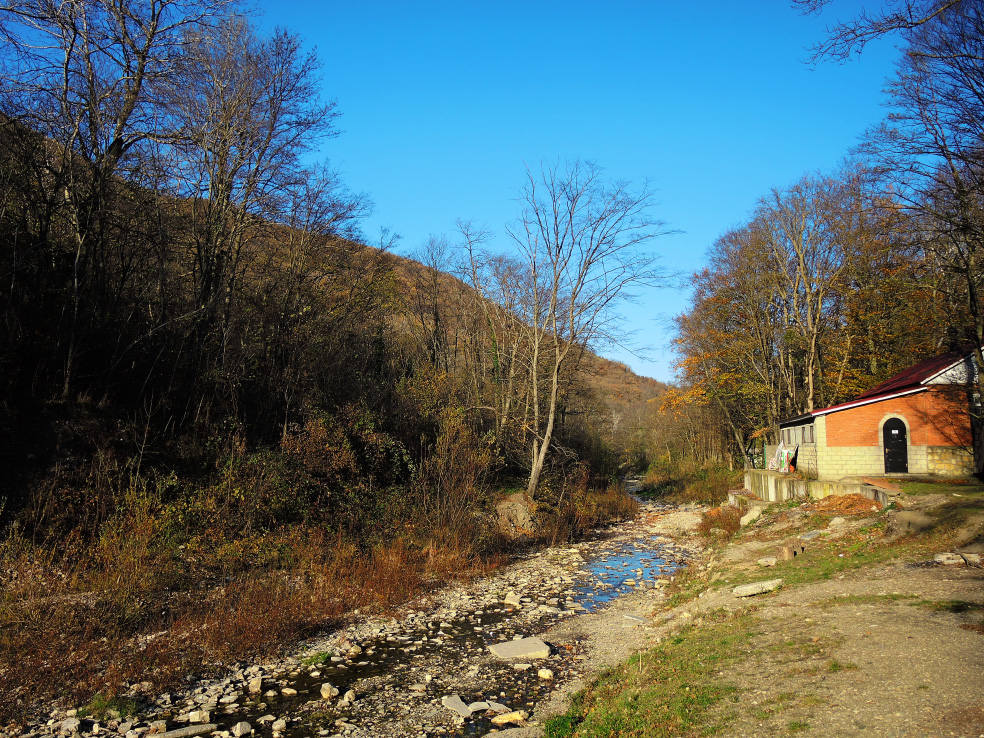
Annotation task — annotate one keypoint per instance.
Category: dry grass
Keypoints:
(726, 519)
(75, 643)
(142, 604)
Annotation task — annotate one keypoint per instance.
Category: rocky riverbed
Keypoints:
(430, 671)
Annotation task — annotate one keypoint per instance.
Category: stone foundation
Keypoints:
(949, 461)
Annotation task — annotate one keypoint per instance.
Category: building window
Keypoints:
(808, 433)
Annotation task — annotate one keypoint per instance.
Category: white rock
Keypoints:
(755, 588)
(328, 691)
(948, 559)
(241, 728)
(512, 599)
(279, 726)
(517, 717)
(455, 704)
(70, 725)
(545, 674)
(255, 685)
(767, 561)
(521, 648)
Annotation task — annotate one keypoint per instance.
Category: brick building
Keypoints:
(917, 422)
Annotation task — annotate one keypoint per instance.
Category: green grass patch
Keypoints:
(825, 560)
(864, 599)
(667, 691)
(969, 487)
(954, 606)
(834, 666)
(797, 726)
(102, 706)
(315, 659)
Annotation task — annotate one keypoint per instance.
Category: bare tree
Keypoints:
(850, 37)
(581, 240)
(84, 74)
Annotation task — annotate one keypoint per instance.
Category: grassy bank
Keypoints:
(731, 669)
(684, 481)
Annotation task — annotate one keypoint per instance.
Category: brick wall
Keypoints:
(936, 417)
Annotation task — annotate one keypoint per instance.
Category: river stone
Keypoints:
(512, 599)
(755, 588)
(241, 728)
(191, 730)
(545, 674)
(767, 561)
(521, 648)
(71, 725)
(328, 691)
(255, 685)
(279, 726)
(751, 516)
(455, 704)
(478, 706)
(948, 559)
(517, 717)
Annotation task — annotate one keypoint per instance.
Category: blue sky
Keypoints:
(444, 103)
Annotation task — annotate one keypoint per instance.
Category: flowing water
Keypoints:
(392, 662)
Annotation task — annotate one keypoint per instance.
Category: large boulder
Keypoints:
(516, 515)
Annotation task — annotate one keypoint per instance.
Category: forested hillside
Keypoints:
(226, 419)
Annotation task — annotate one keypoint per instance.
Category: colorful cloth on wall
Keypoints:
(783, 457)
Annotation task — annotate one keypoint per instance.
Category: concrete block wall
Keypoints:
(949, 461)
(806, 459)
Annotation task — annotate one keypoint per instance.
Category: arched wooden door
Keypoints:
(896, 448)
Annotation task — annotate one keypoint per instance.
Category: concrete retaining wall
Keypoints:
(776, 487)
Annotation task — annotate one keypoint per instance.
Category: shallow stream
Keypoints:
(394, 665)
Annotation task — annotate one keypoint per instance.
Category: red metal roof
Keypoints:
(914, 376)
(905, 382)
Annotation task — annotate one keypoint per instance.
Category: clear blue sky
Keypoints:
(444, 103)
